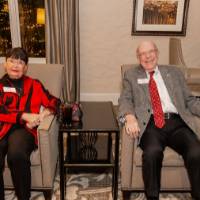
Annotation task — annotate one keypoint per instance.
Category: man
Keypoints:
(158, 109)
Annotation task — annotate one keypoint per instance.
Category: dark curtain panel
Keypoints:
(62, 43)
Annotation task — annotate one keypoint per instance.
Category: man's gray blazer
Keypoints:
(135, 98)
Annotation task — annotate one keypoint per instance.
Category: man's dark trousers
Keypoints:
(177, 135)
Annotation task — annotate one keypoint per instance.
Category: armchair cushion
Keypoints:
(171, 158)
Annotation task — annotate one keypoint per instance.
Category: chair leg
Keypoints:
(47, 194)
(126, 195)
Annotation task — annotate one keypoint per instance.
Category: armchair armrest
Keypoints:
(48, 148)
(197, 120)
(193, 73)
(46, 124)
(128, 148)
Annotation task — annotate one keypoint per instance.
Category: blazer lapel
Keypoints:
(168, 80)
(142, 75)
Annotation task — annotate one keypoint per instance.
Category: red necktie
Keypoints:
(156, 103)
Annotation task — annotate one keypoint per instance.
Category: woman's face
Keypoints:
(15, 68)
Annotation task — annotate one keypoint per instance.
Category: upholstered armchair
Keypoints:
(174, 176)
(192, 73)
(44, 159)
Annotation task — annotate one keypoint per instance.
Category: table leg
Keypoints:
(61, 157)
(115, 191)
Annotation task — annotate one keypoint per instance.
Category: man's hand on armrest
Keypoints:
(132, 126)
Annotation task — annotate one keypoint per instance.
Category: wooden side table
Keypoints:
(98, 118)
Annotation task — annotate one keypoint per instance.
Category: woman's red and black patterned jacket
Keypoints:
(13, 103)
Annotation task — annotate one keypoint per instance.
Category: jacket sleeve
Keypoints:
(6, 114)
(192, 102)
(48, 100)
(10, 117)
(126, 101)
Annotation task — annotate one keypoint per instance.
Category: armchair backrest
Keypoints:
(51, 75)
(175, 52)
(126, 67)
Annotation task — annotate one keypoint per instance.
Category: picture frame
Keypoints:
(160, 17)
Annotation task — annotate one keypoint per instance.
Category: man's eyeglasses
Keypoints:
(150, 52)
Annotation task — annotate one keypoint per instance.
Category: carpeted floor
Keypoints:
(90, 186)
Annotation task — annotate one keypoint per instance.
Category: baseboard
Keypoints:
(100, 97)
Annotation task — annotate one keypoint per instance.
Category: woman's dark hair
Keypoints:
(17, 53)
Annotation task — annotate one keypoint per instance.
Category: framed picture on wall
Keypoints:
(160, 17)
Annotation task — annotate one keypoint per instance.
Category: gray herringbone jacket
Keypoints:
(135, 97)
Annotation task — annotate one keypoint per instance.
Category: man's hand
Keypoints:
(132, 126)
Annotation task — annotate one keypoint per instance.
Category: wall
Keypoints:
(106, 43)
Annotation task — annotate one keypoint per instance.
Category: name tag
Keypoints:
(9, 89)
(143, 81)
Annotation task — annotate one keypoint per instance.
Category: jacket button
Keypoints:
(149, 110)
(144, 123)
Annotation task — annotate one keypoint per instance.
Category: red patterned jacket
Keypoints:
(14, 102)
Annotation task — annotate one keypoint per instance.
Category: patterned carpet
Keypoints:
(92, 187)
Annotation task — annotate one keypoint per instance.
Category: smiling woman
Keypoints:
(15, 68)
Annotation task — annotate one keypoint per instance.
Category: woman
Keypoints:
(21, 100)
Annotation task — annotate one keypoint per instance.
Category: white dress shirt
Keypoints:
(167, 105)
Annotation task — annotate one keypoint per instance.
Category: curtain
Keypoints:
(62, 43)
(14, 23)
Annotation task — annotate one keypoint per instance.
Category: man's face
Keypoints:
(15, 68)
(147, 55)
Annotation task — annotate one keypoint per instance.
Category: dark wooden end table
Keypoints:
(98, 118)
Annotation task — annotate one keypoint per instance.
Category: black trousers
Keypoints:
(177, 135)
(17, 145)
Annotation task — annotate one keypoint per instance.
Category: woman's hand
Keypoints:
(132, 126)
(46, 112)
(32, 120)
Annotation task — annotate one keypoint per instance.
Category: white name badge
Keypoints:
(142, 81)
(9, 89)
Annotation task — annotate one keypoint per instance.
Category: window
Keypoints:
(5, 35)
(22, 23)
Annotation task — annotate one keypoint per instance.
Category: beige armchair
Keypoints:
(174, 176)
(44, 159)
(192, 74)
